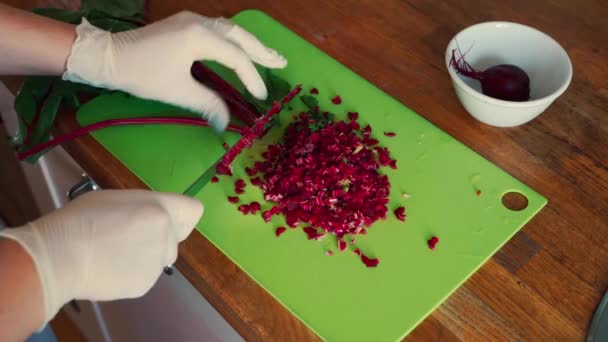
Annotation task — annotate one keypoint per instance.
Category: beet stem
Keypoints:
(237, 104)
(463, 67)
(254, 132)
(118, 122)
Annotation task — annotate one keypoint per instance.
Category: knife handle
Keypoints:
(168, 270)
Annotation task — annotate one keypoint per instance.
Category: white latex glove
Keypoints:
(106, 245)
(153, 62)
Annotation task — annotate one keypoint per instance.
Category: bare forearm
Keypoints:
(32, 44)
(21, 303)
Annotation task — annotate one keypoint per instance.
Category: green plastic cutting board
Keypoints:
(336, 296)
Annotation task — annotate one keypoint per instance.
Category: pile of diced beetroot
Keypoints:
(324, 176)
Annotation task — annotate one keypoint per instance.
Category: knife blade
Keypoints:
(194, 189)
(202, 180)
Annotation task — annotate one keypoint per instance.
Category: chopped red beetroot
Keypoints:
(254, 207)
(341, 244)
(390, 134)
(279, 231)
(292, 220)
(393, 164)
(326, 176)
(400, 213)
(224, 170)
(371, 141)
(369, 262)
(307, 189)
(214, 179)
(267, 216)
(244, 208)
(250, 172)
(233, 199)
(336, 100)
(366, 260)
(312, 233)
(433, 242)
(367, 131)
(239, 186)
(384, 157)
(314, 91)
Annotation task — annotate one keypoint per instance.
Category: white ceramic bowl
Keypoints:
(492, 43)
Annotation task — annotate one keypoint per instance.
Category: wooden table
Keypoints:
(545, 283)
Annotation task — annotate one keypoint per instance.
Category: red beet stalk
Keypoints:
(369, 262)
(237, 104)
(400, 213)
(223, 168)
(432, 242)
(119, 122)
(280, 231)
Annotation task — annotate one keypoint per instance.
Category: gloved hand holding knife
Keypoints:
(112, 244)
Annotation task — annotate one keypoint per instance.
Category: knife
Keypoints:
(194, 189)
(204, 178)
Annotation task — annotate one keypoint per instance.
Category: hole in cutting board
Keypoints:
(515, 201)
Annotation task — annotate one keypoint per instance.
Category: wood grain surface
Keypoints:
(545, 283)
